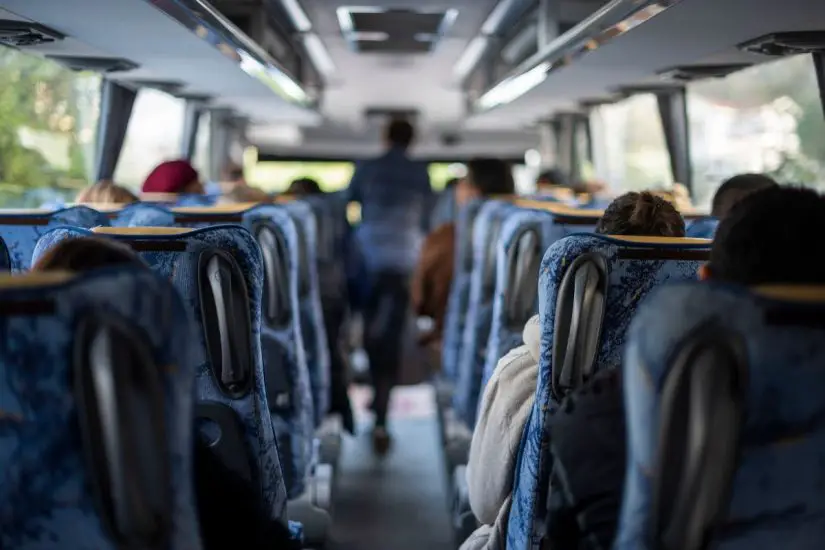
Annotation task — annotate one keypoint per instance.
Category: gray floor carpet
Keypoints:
(395, 503)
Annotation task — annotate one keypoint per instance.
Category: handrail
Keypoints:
(608, 22)
(212, 27)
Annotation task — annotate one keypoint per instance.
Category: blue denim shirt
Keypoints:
(395, 196)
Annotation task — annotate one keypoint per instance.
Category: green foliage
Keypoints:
(42, 98)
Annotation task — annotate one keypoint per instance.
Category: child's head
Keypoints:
(105, 192)
(87, 253)
(642, 214)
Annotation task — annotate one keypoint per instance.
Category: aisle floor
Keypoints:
(398, 502)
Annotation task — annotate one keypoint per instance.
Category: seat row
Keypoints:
(249, 282)
(501, 245)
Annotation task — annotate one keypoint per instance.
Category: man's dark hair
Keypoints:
(552, 177)
(304, 186)
(491, 176)
(737, 188)
(86, 253)
(769, 237)
(400, 133)
(642, 214)
(452, 182)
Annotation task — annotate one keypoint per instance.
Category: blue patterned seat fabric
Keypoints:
(178, 257)
(460, 289)
(186, 199)
(143, 214)
(486, 232)
(503, 338)
(629, 282)
(702, 228)
(21, 231)
(45, 481)
(282, 344)
(313, 328)
(776, 498)
(332, 235)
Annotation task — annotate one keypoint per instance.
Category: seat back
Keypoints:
(21, 229)
(95, 431)
(219, 272)
(702, 228)
(313, 329)
(143, 214)
(460, 289)
(525, 236)
(287, 375)
(486, 232)
(589, 289)
(725, 419)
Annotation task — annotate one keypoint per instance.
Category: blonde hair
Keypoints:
(105, 192)
(244, 193)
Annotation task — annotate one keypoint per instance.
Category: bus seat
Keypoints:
(725, 419)
(20, 229)
(187, 199)
(486, 233)
(518, 263)
(312, 317)
(142, 214)
(61, 486)
(589, 288)
(460, 290)
(282, 343)
(702, 228)
(219, 272)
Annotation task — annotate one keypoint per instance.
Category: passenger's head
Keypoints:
(399, 134)
(87, 253)
(485, 177)
(105, 192)
(452, 182)
(233, 173)
(770, 237)
(551, 178)
(244, 193)
(304, 186)
(737, 188)
(174, 176)
(642, 214)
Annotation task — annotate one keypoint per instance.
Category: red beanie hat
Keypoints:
(170, 177)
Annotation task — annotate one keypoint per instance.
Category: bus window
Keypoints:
(154, 135)
(48, 121)
(441, 173)
(200, 160)
(763, 119)
(276, 176)
(635, 147)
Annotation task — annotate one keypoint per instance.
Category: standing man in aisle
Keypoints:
(395, 196)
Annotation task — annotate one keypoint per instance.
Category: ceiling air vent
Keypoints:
(787, 43)
(394, 31)
(690, 73)
(96, 64)
(22, 34)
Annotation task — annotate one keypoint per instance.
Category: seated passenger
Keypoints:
(222, 497)
(243, 194)
(105, 192)
(304, 186)
(433, 275)
(510, 393)
(737, 188)
(174, 176)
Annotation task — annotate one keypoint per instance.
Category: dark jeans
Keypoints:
(385, 315)
(334, 317)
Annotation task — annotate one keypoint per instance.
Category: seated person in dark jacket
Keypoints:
(229, 510)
